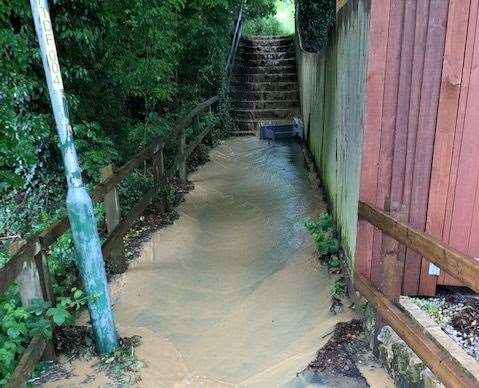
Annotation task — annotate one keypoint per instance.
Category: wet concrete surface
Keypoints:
(232, 294)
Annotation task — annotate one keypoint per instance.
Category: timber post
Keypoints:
(113, 216)
(159, 168)
(34, 284)
(44, 274)
(391, 270)
(28, 281)
(159, 176)
(79, 204)
(182, 153)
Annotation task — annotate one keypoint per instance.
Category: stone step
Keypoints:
(264, 114)
(266, 62)
(281, 77)
(264, 86)
(255, 125)
(241, 95)
(242, 69)
(266, 104)
(266, 56)
(265, 40)
(266, 49)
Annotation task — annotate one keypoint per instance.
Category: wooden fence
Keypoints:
(385, 297)
(28, 265)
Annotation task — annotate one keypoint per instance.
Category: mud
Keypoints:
(231, 294)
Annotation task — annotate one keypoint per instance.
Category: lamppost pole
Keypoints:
(79, 204)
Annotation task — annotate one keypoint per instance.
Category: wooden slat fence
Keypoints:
(385, 296)
(28, 264)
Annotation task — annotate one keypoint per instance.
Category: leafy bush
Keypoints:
(323, 233)
(316, 18)
(19, 324)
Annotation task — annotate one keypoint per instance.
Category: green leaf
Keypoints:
(13, 332)
(59, 315)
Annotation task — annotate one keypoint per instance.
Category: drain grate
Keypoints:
(276, 132)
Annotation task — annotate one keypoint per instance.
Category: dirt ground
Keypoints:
(231, 293)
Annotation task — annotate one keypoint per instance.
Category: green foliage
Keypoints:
(18, 325)
(339, 289)
(279, 23)
(323, 232)
(316, 18)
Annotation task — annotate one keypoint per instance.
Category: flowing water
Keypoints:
(232, 293)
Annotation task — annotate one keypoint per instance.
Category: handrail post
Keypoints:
(111, 201)
(182, 153)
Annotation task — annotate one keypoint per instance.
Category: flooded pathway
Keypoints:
(232, 293)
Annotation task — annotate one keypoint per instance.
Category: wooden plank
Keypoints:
(27, 363)
(403, 103)
(388, 122)
(417, 71)
(425, 134)
(448, 371)
(463, 103)
(465, 268)
(377, 47)
(468, 167)
(454, 53)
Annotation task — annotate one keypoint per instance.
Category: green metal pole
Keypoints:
(79, 204)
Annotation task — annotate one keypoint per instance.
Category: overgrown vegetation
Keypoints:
(316, 18)
(130, 70)
(281, 23)
(324, 235)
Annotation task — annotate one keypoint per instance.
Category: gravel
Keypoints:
(458, 316)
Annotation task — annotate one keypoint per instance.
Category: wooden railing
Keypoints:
(385, 297)
(28, 265)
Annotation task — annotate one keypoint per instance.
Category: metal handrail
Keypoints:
(235, 41)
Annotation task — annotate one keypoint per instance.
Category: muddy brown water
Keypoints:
(232, 294)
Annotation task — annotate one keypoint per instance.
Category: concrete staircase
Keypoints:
(264, 83)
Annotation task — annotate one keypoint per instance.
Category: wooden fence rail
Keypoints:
(28, 262)
(385, 296)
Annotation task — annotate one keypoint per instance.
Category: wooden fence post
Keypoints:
(45, 281)
(28, 281)
(34, 284)
(181, 150)
(391, 270)
(112, 209)
(159, 168)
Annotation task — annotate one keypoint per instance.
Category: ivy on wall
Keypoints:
(316, 18)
